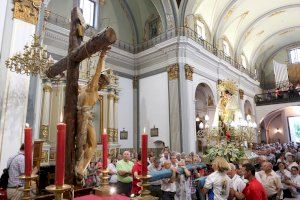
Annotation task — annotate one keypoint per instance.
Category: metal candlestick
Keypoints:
(145, 192)
(58, 190)
(27, 185)
(104, 189)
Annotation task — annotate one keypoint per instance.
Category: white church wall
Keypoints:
(154, 107)
(125, 115)
(16, 94)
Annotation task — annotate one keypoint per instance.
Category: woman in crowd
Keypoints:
(218, 182)
(112, 171)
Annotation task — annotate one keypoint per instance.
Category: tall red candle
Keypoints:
(28, 150)
(144, 153)
(60, 155)
(104, 149)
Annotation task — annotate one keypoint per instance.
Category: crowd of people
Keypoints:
(273, 175)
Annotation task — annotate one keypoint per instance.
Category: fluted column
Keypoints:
(46, 106)
(110, 121)
(116, 102)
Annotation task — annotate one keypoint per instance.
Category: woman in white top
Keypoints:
(112, 171)
(218, 181)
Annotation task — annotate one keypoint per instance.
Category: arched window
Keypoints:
(200, 29)
(226, 48)
(294, 55)
(244, 61)
(88, 9)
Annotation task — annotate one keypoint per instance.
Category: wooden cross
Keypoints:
(77, 52)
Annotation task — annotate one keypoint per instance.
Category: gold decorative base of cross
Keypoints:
(58, 190)
(104, 189)
(145, 192)
(27, 185)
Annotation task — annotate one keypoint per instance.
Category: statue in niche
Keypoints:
(153, 28)
(86, 141)
(210, 102)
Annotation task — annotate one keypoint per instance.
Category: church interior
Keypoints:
(196, 76)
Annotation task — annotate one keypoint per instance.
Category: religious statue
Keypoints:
(86, 141)
(210, 102)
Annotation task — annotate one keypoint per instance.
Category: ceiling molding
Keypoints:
(237, 50)
(162, 15)
(255, 56)
(131, 19)
(175, 12)
(216, 28)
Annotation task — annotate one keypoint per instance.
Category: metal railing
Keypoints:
(169, 34)
(286, 96)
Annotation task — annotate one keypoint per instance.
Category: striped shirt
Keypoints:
(16, 166)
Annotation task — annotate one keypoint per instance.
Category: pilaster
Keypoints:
(135, 86)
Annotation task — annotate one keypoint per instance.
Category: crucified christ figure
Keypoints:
(86, 141)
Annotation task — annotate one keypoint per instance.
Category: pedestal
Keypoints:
(58, 191)
(145, 192)
(27, 185)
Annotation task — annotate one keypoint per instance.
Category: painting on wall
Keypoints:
(154, 132)
(294, 128)
(123, 135)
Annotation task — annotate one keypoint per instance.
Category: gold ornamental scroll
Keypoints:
(27, 10)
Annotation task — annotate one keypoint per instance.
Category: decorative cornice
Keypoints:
(173, 71)
(189, 71)
(27, 10)
(241, 92)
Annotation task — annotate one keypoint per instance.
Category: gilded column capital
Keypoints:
(189, 71)
(135, 82)
(111, 96)
(241, 92)
(116, 99)
(47, 88)
(27, 10)
(173, 71)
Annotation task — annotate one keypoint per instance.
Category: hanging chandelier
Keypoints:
(34, 60)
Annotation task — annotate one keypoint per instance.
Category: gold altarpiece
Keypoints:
(105, 111)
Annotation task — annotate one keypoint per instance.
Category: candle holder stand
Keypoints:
(104, 189)
(145, 192)
(58, 190)
(27, 185)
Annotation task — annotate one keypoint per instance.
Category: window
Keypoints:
(88, 10)
(201, 30)
(294, 55)
(244, 61)
(226, 48)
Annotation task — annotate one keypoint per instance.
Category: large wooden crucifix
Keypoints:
(77, 52)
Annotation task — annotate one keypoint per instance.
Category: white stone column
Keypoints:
(14, 105)
(46, 108)
(116, 110)
(110, 121)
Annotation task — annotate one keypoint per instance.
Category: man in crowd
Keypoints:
(155, 187)
(168, 185)
(16, 168)
(271, 181)
(294, 182)
(290, 161)
(254, 189)
(237, 183)
(124, 168)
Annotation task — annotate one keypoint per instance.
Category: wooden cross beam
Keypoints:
(77, 52)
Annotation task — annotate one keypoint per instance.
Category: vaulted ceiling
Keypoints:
(255, 28)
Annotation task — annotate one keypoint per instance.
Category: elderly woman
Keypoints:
(218, 182)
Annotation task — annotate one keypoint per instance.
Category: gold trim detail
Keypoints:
(241, 92)
(189, 71)
(116, 99)
(44, 132)
(173, 71)
(111, 96)
(27, 10)
(47, 88)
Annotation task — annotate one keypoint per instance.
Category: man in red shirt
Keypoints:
(254, 189)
